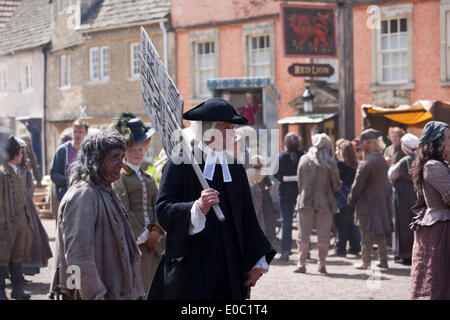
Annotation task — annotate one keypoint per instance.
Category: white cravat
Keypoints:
(212, 157)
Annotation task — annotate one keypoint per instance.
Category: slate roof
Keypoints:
(111, 14)
(7, 9)
(30, 27)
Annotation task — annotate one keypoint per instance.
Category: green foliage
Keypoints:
(152, 170)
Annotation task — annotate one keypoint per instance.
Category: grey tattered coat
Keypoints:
(371, 195)
(94, 235)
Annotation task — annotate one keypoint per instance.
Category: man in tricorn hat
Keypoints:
(207, 259)
(371, 195)
(14, 220)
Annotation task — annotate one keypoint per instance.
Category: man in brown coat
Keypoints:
(371, 195)
(96, 253)
(14, 221)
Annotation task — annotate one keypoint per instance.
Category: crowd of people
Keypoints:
(120, 235)
(400, 190)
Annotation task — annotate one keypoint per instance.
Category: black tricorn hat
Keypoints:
(215, 109)
(139, 131)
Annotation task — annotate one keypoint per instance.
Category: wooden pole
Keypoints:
(346, 127)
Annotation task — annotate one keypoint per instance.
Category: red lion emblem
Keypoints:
(305, 29)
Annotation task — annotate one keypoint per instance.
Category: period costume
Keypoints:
(207, 259)
(93, 233)
(262, 200)
(249, 112)
(34, 165)
(287, 194)
(344, 219)
(15, 232)
(40, 250)
(371, 196)
(394, 153)
(430, 275)
(404, 198)
(317, 183)
(268, 209)
(59, 173)
(138, 192)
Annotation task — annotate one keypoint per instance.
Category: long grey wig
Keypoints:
(93, 150)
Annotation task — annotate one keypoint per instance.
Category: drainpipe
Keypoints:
(44, 119)
(165, 45)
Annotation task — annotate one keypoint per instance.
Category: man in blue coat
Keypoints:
(206, 259)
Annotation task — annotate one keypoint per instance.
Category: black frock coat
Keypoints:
(194, 266)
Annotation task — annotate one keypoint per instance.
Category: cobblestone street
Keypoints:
(343, 281)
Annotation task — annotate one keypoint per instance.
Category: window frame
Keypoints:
(26, 80)
(3, 80)
(132, 60)
(390, 51)
(103, 73)
(64, 79)
(195, 37)
(445, 42)
(63, 9)
(200, 69)
(258, 29)
(252, 65)
(102, 63)
(393, 12)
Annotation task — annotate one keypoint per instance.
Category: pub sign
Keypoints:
(309, 31)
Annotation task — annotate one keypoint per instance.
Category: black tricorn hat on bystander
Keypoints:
(215, 109)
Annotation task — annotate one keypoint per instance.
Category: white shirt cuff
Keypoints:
(198, 220)
(262, 265)
(143, 237)
(289, 178)
(393, 173)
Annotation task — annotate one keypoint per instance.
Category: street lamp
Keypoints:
(308, 100)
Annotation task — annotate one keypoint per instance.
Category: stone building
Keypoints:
(24, 39)
(93, 62)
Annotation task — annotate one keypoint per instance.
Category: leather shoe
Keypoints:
(300, 269)
(284, 256)
(322, 268)
(382, 265)
(20, 296)
(362, 265)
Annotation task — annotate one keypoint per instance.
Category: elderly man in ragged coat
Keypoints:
(97, 257)
(206, 259)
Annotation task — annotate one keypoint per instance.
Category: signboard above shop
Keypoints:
(311, 70)
(309, 30)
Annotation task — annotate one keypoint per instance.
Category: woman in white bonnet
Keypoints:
(318, 179)
(404, 198)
